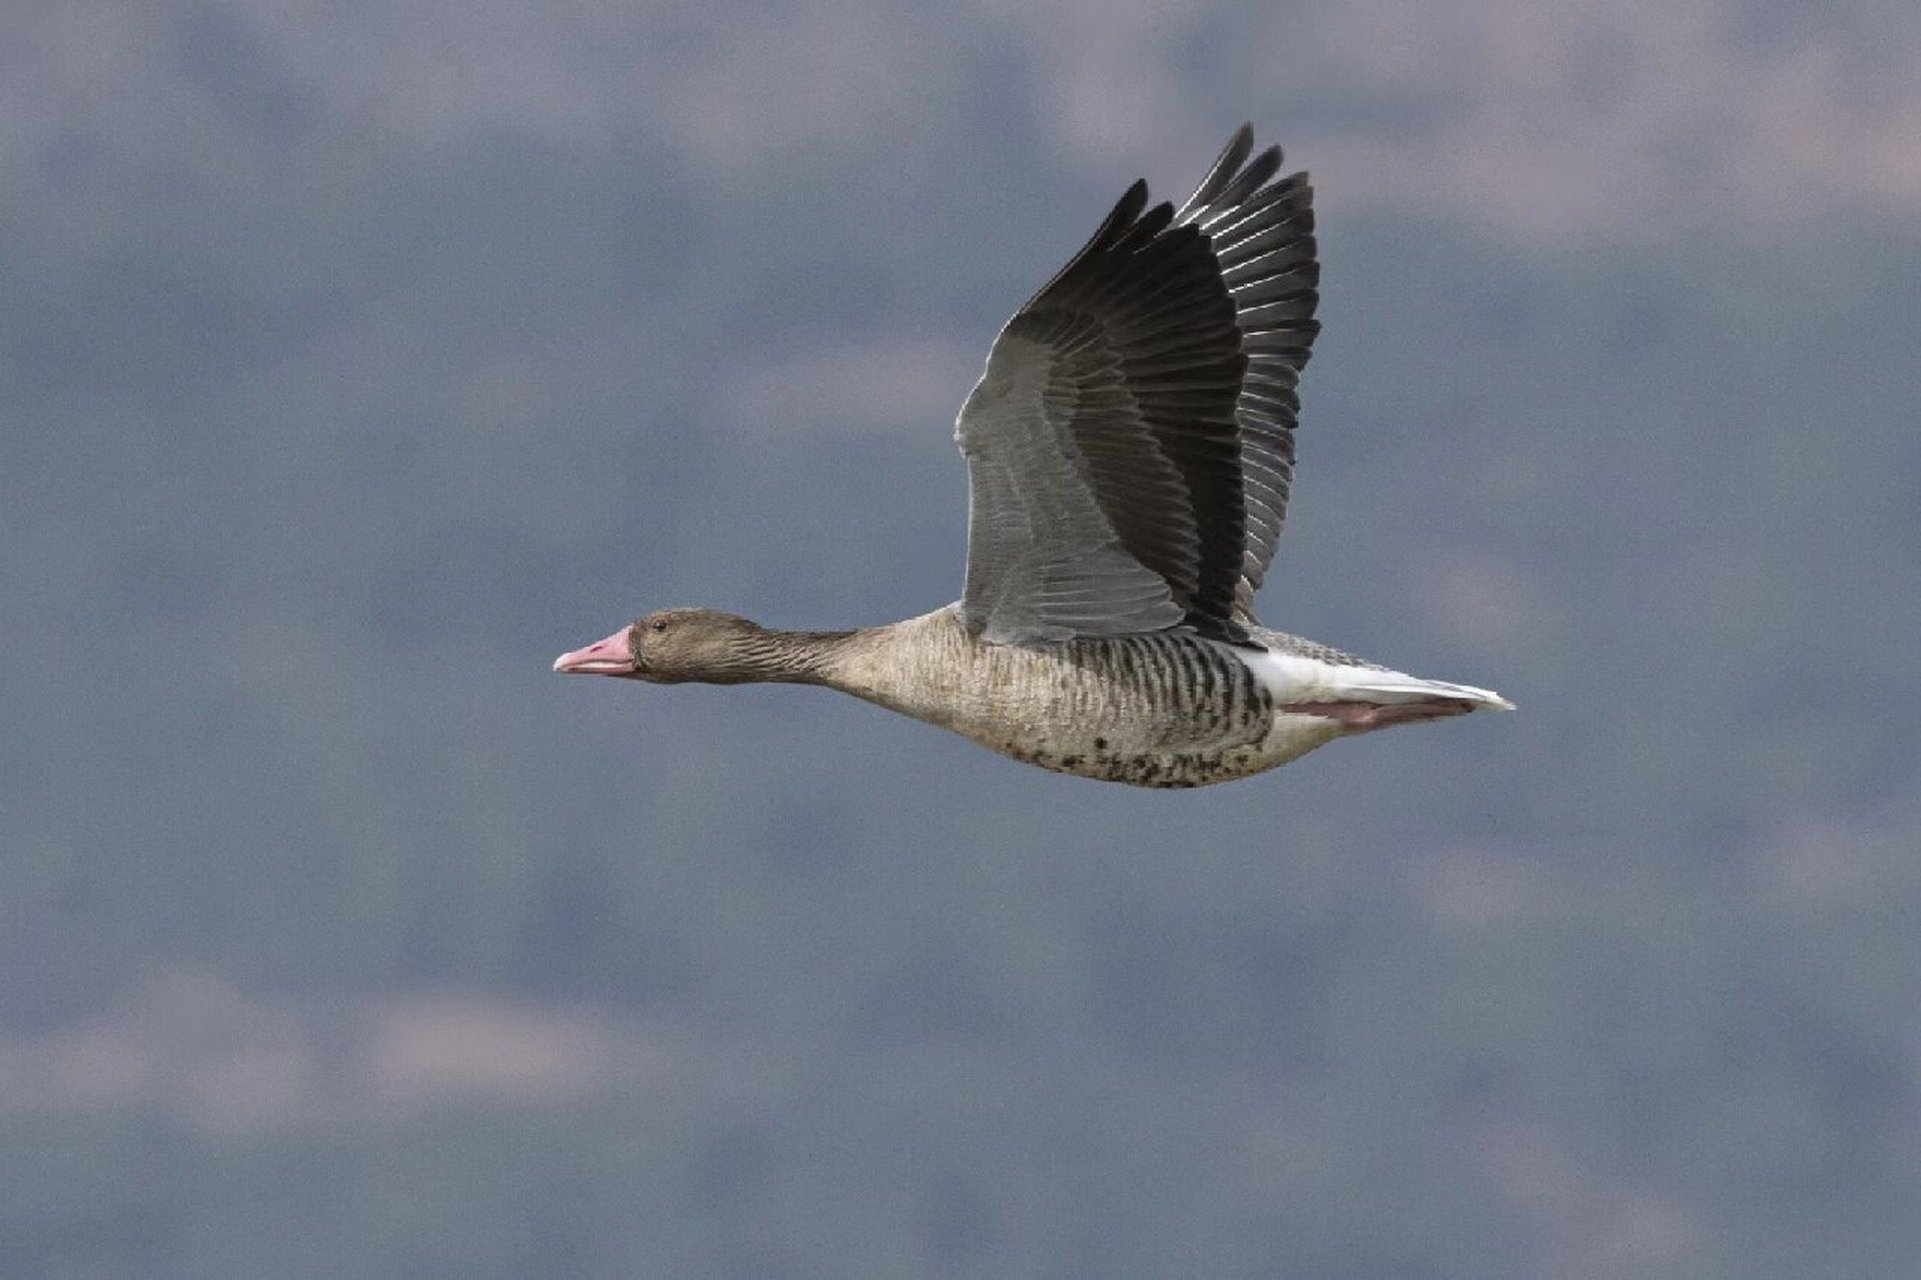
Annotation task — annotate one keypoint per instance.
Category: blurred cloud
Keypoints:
(1840, 860)
(1590, 118)
(1549, 121)
(1107, 80)
(196, 1045)
(881, 384)
(423, 1049)
(728, 82)
(1556, 121)
(1592, 1224)
(1475, 888)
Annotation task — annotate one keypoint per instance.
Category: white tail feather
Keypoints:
(1296, 678)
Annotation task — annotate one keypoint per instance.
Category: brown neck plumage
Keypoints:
(768, 656)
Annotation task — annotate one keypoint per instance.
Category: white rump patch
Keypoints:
(1294, 678)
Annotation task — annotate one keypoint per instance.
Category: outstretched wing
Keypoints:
(1112, 488)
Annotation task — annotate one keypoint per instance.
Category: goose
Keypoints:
(1129, 449)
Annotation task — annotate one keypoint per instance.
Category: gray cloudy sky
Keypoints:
(1548, 120)
(355, 359)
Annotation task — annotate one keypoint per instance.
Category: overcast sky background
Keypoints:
(357, 359)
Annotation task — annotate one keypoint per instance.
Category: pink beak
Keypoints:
(610, 657)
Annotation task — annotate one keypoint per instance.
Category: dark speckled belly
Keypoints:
(1163, 710)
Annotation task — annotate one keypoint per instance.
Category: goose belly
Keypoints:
(1169, 765)
(1162, 710)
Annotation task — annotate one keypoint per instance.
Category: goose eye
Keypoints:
(657, 625)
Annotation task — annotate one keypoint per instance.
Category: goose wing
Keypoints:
(1113, 488)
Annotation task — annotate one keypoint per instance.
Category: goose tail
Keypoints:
(1326, 676)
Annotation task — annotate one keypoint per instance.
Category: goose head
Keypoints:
(672, 646)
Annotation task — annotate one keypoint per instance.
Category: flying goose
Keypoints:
(1129, 451)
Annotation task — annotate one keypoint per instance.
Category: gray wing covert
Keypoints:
(1103, 465)
(1044, 561)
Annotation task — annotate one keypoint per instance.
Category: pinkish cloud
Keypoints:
(1620, 121)
(1567, 121)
